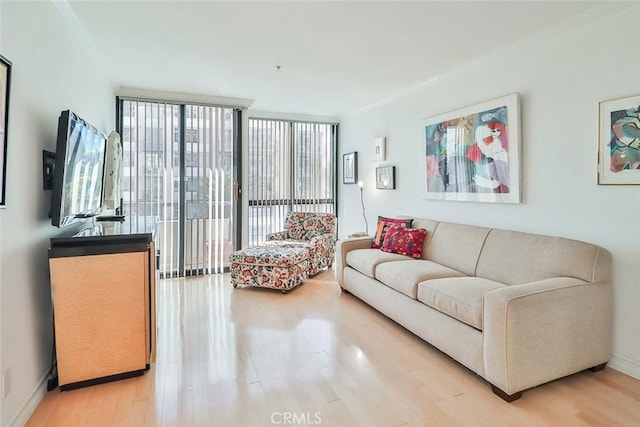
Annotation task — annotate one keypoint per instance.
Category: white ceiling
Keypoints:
(336, 57)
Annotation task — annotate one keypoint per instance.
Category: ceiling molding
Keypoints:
(293, 117)
(157, 95)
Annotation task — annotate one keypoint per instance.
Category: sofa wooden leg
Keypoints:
(599, 367)
(504, 396)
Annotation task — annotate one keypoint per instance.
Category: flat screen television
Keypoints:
(79, 170)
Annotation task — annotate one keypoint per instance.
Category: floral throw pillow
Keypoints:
(383, 224)
(404, 241)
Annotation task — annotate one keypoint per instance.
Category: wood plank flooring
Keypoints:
(316, 356)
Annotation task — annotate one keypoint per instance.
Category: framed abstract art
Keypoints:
(473, 154)
(619, 141)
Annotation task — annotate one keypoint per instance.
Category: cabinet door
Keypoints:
(99, 309)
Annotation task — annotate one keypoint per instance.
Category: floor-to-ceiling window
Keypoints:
(179, 167)
(291, 166)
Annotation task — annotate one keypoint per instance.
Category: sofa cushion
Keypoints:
(383, 224)
(457, 246)
(428, 225)
(513, 258)
(459, 297)
(404, 276)
(404, 241)
(366, 260)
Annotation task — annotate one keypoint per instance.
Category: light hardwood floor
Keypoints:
(256, 357)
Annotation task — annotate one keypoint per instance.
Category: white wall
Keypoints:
(53, 70)
(561, 76)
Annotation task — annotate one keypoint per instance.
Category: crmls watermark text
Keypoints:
(296, 418)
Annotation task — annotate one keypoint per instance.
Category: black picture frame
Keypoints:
(350, 168)
(386, 178)
(5, 90)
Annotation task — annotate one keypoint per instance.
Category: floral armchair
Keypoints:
(315, 231)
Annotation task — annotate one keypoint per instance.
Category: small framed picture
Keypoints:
(619, 142)
(380, 149)
(386, 178)
(350, 168)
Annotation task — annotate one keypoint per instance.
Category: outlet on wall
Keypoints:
(6, 382)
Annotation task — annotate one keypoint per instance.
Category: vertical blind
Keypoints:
(178, 164)
(291, 167)
(208, 193)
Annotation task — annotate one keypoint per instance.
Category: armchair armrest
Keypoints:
(278, 235)
(327, 239)
(539, 331)
(343, 247)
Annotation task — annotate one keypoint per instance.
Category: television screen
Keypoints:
(79, 170)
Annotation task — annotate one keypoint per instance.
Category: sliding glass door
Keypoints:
(291, 166)
(180, 167)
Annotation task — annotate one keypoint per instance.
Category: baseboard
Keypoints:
(625, 365)
(31, 404)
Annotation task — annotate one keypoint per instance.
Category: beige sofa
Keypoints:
(518, 309)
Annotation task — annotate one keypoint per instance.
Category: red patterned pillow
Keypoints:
(383, 224)
(404, 241)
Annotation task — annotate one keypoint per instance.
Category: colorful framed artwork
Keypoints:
(386, 178)
(619, 142)
(473, 154)
(5, 86)
(350, 168)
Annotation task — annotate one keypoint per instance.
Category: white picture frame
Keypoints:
(380, 149)
(618, 142)
(473, 154)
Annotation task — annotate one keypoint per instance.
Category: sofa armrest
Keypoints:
(539, 331)
(343, 247)
(278, 235)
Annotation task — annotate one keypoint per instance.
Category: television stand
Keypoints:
(103, 289)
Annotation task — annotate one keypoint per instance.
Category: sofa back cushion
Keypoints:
(429, 225)
(513, 257)
(457, 246)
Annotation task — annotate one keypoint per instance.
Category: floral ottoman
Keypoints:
(275, 267)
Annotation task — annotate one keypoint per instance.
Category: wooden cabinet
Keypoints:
(103, 293)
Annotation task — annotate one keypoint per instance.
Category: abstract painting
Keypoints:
(619, 142)
(472, 154)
